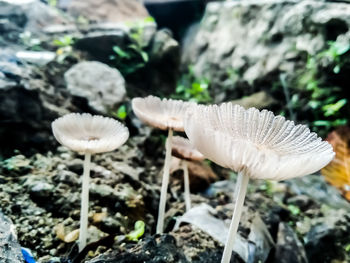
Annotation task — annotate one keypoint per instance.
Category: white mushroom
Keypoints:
(256, 144)
(88, 134)
(165, 114)
(183, 149)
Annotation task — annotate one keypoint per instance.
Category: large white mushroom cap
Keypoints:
(256, 142)
(85, 133)
(162, 114)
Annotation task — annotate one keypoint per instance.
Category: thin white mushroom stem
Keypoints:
(186, 185)
(84, 203)
(242, 184)
(165, 182)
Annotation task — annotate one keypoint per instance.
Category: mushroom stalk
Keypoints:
(84, 203)
(242, 183)
(187, 185)
(165, 182)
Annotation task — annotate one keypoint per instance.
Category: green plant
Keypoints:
(64, 41)
(325, 99)
(30, 41)
(134, 56)
(121, 112)
(65, 47)
(52, 3)
(294, 210)
(138, 232)
(192, 88)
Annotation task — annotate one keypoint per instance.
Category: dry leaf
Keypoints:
(68, 238)
(60, 231)
(72, 236)
(98, 217)
(337, 173)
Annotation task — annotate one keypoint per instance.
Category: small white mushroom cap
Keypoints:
(85, 133)
(256, 142)
(162, 114)
(182, 148)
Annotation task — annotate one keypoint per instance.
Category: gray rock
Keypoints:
(31, 15)
(106, 10)
(102, 86)
(28, 105)
(323, 242)
(318, 190)
(253, 249)
(36, 57)
(10, 250)
(41, 189)
(164, 46)
(289, 249)
(99, 39)
(164, 62)
(244, 46)
(99, 42)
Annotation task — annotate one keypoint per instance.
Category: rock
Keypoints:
(10, 250)
(242, 58)
(100, 40)
(103, 87)
(260, 100)
(67, 177)
(120, 193)
(36, 57)
(318, 190)
(106, 10)
(31, 15)
(289, 249)
(152, 250)
(202, 217)
(322, 241)
(253, 249)
(41, 189)
(164, 61)
(25, 117)
(164, 46)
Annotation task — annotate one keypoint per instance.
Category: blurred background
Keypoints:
(289, 57)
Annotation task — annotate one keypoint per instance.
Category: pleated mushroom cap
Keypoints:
(162, 114)
(183, 149)
(262, 145)
(85, 133)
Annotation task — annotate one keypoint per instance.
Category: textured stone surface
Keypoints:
(101, 85)
(107, 10)
(10, 250)
(289, 249)
(244, 46)
(32, 15)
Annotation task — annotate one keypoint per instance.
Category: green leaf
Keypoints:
(331, 109)
(294, 210)
(149, 19)
(121, 113)
(137, 232)
(322, 123)
(144, 56)
(121, 53)
(336, 69)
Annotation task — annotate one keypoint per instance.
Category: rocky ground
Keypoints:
(302, 220)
